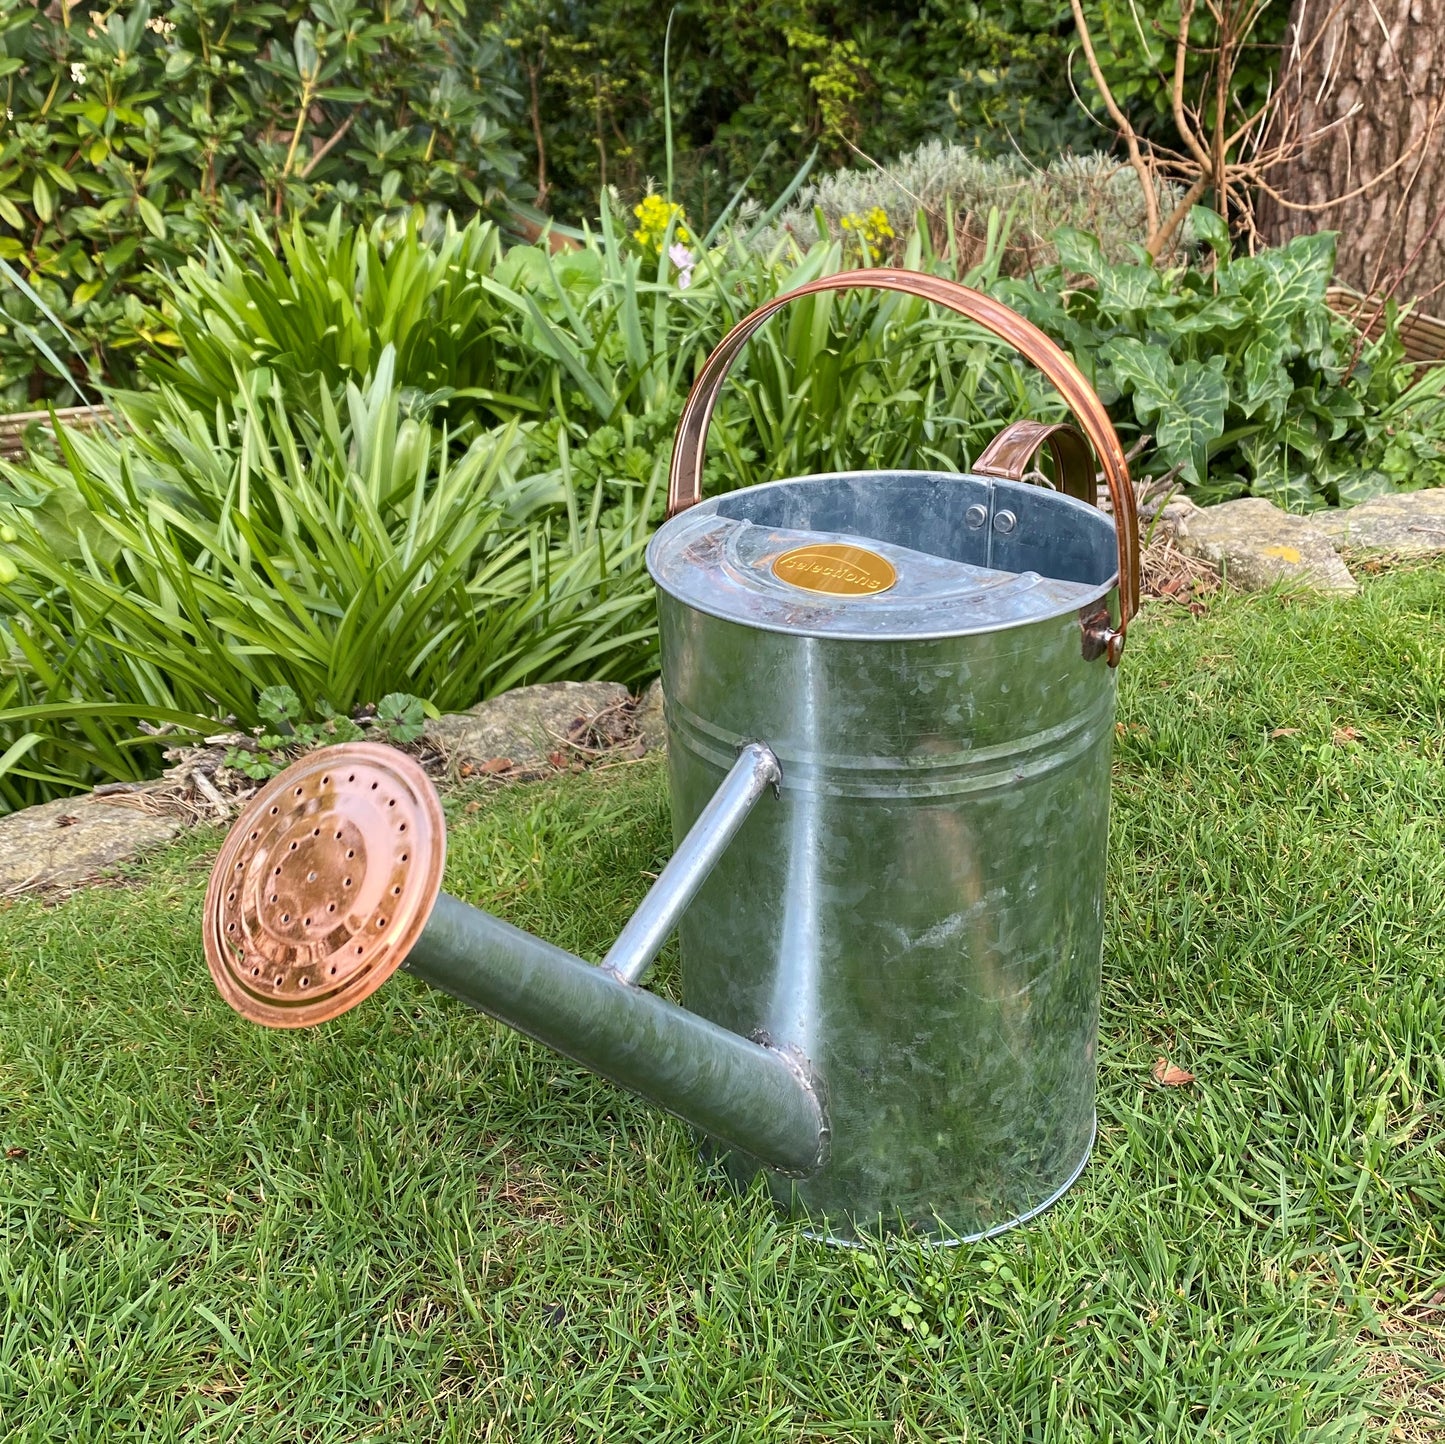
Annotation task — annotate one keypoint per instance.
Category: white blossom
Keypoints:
(683, 261)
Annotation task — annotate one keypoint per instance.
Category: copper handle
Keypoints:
(684, 483)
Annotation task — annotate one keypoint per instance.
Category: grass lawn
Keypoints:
(411, 1224)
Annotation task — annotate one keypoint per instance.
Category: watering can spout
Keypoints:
(330, 881)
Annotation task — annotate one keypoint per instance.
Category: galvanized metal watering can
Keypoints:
(890, 705)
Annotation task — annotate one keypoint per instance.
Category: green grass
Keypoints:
(413, 1225)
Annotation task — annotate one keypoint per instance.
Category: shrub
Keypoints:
(319, 311)
(594, 347)
(1244, 377)
(304, 501)
(751, 89)
(998, 80)
(130, 134)
(953, 188)
(174, 576)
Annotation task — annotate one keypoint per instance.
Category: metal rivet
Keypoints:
(1005, 522)
(975, 516)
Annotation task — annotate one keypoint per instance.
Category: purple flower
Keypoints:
(683, 261)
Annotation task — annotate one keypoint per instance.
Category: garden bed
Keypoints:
(412, 1224)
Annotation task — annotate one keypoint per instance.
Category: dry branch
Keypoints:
(1234, 160)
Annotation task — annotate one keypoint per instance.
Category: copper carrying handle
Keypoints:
(684, 483)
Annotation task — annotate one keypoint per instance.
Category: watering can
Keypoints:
(889, 708)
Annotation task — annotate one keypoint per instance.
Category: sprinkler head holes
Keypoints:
(324, 884)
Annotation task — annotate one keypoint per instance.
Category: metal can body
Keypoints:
(919, 914)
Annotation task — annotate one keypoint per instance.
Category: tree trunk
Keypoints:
(1384, 59)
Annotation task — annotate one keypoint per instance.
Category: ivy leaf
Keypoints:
(1193, 416)
(1129, 288)
(1211, 228)
(1355, 485)
(1290, 279)
(1271, 476)
(1141, 370)
(1220, 315)
(1079, 252)
(1267, 384)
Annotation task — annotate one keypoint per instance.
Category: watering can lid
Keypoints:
(847, 584)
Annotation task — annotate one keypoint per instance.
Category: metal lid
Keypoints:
(323, 885)
(886, 555)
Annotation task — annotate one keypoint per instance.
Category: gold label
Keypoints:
(835, 568)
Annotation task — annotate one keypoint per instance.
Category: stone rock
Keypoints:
(524, 725)
(1257, 545)
(75, 839)
(1407, 522)
(648, 720)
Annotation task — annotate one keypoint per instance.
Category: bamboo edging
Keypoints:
(14, 426)
(1423, 337)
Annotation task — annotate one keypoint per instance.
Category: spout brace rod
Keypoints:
(640, 941)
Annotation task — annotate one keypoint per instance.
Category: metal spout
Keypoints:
(331, 880)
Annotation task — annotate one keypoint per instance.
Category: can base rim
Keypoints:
(835, 1240)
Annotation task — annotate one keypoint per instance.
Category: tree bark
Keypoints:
(1385, 59)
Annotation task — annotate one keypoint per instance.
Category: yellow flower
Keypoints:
(653, 216)
(871, 229)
